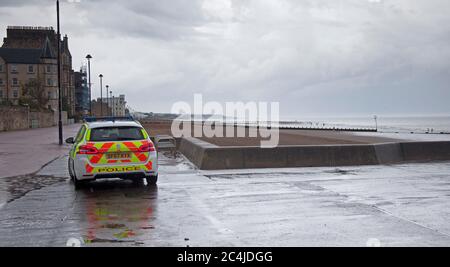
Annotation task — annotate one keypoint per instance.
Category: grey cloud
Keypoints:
(14, 3)
(337, 56)
(165, 20)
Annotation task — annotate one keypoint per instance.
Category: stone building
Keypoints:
(19, 66)
(29, 38)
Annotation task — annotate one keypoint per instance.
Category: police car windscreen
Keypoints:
(116, 134)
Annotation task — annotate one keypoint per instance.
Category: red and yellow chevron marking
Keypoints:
(132, 147)
(149, 166)
(103, 149)
(89, 168)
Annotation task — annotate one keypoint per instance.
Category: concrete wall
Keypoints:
(41, 119)
(210, 157)
(426, 151)
(193, 149)
(13, 118)
(19, 118)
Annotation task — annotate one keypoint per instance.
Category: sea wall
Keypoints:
(211, 157)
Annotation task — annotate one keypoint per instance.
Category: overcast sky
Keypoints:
(316, 57)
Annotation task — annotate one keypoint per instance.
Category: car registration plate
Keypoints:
(118, 156)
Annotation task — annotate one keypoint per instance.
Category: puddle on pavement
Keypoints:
(258, 175)
(168, 158)
(342, 171)
(306, 186)
(117, 211)
(113, 225)
(12, 188)
(20, 185)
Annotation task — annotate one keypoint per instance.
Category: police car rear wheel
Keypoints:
(79, 184)
(70, 164)
(152, 180)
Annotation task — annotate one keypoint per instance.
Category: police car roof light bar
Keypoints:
(109, 118)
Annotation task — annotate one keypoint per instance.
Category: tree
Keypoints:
(34, 94)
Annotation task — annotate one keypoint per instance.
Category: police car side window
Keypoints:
(80, 134)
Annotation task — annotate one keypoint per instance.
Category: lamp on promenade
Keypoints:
(107, 100)
(60, 130)
(376, 122)
(112, 103)
(101, 95)
(89, 57)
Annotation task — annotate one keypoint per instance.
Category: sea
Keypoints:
(388, 124)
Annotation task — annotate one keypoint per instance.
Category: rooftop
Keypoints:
(34, 28)
(21, 55)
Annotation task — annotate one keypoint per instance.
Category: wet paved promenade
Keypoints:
(400, 205)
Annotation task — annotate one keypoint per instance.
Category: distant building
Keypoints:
(118, 105)
(138, 115)
(99, 110)
(81, 92)
(31, 39)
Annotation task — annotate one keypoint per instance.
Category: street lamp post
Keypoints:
(107, 100)
(60, 130)
(101, 95)
(376, 122)
(89, 57)
(112, 103)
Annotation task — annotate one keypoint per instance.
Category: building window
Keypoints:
(1, 93)
(1, 81)
(49, 95)
(1, 68)
(30, 69)
(15, 81)
(15, 93)
(49, 69)
(14, 68)
(49, 82)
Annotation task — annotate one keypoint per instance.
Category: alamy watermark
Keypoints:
(232, 119)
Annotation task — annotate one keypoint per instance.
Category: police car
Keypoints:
(112, 147)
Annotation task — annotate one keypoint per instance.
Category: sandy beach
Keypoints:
(287, 137)
(302, 137)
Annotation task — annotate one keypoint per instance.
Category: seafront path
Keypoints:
(26, 151)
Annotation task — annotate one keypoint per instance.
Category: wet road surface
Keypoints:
(26, 151)
(400, 205)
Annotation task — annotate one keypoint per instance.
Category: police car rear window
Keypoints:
(116, 134)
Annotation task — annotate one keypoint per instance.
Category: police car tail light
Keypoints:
(147, 147)
(88, 150)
